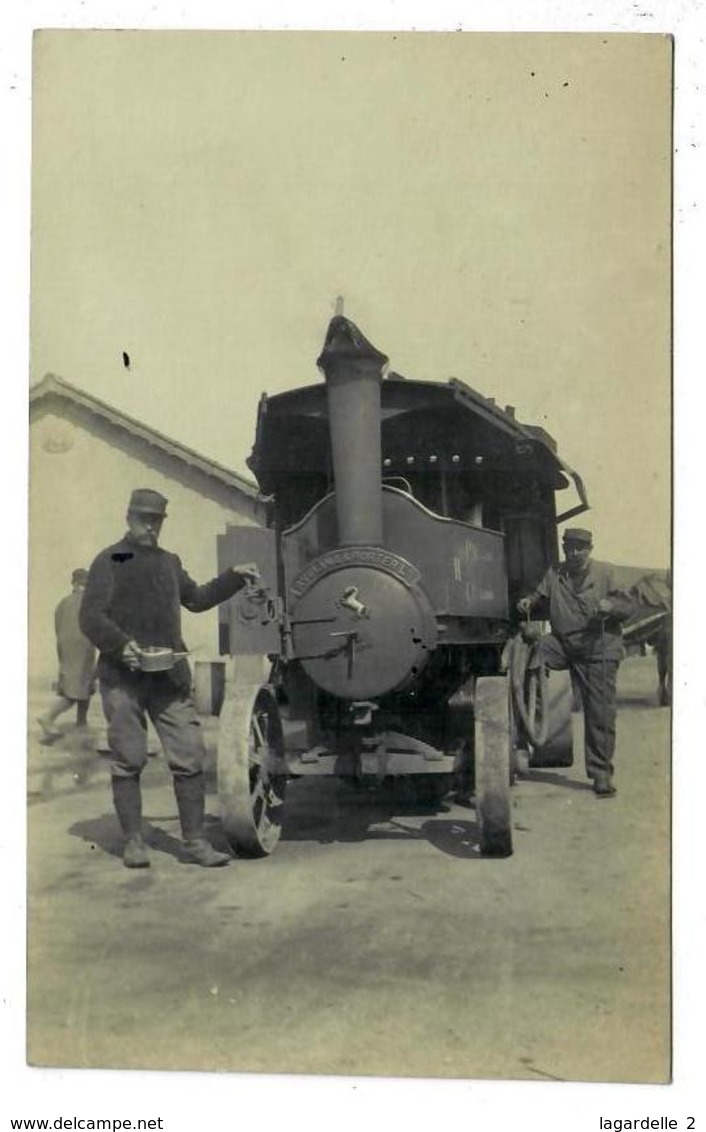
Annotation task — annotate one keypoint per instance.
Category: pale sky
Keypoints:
(492, 207)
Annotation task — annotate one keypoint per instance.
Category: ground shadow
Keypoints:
(103, 832)
(330, 811)
(551, 779)
(453, 837)
(641, 703)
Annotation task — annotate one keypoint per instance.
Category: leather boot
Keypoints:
(190, 791)
(127, 800)
(603, 786)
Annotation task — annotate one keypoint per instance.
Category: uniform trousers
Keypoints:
(596, 680)
(127, 704)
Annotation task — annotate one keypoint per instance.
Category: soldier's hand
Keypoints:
(524, 606)
(131, 655)
(248, 571)
(605, 607)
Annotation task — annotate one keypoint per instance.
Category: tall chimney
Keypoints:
(353, 371)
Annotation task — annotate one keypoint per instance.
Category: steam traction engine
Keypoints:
(407, 518)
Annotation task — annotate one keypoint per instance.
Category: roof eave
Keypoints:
(52, 384)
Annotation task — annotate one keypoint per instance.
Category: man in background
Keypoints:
(77, 661)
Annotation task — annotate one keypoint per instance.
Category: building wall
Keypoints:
(82, 470)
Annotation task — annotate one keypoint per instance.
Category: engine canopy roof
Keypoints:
(425, 425)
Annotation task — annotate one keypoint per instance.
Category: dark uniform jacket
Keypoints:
(573, 609)
(135, 593)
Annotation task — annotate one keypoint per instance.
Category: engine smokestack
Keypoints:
(353, 371)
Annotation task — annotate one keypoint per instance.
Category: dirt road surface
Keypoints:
(375, 941)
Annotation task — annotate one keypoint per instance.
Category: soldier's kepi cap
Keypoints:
(148, 502)
(578, 534)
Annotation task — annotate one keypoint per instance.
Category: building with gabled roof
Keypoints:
(85, 459)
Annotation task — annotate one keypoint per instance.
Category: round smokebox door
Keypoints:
(360, 632)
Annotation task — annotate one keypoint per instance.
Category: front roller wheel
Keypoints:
(492, 765)
(251, 782)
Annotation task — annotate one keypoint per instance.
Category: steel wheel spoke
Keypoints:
(260, 740)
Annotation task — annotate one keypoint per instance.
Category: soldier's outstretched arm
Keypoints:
(197, 599)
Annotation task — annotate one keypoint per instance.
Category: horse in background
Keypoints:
(651, 624)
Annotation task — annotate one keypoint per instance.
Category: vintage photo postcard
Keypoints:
(350, 554)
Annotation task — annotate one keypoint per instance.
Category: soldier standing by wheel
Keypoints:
(132, 602)
(585, 609)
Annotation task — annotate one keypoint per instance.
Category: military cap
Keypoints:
(147, 501)
(79, 577)
(578, 534)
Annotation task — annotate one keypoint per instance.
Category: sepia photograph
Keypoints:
(350, 566)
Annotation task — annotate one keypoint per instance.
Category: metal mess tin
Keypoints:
(155, 658)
